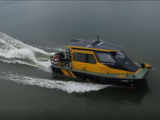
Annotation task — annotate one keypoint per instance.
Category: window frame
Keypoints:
(86, 55)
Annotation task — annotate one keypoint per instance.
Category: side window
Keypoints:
(105, 57)
(91, 59)
(81, 57)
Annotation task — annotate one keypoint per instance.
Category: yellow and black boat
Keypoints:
(98, 61)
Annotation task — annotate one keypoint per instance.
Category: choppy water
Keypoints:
(32, 30)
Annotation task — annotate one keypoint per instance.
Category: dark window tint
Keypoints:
(84, 58)
(91, 59)
(117, 60)
(80, 57)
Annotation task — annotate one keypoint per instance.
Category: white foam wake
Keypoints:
(67, 86)
(15, 51)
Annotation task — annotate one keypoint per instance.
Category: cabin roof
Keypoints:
(94, 44)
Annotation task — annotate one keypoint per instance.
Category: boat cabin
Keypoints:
(97, 58)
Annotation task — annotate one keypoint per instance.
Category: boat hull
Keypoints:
(139, 76)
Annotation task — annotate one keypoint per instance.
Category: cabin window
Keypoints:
(117, 60)
(91, 59)
(81, 57)
(105, 57)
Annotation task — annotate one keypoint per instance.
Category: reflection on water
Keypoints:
(120, 94)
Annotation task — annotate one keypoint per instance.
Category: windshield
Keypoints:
(116, 60)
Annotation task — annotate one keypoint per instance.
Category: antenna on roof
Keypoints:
(98, 38)
(96, 42)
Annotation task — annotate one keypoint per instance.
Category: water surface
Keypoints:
(31, 31)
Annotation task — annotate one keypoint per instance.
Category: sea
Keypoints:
(31, 31)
